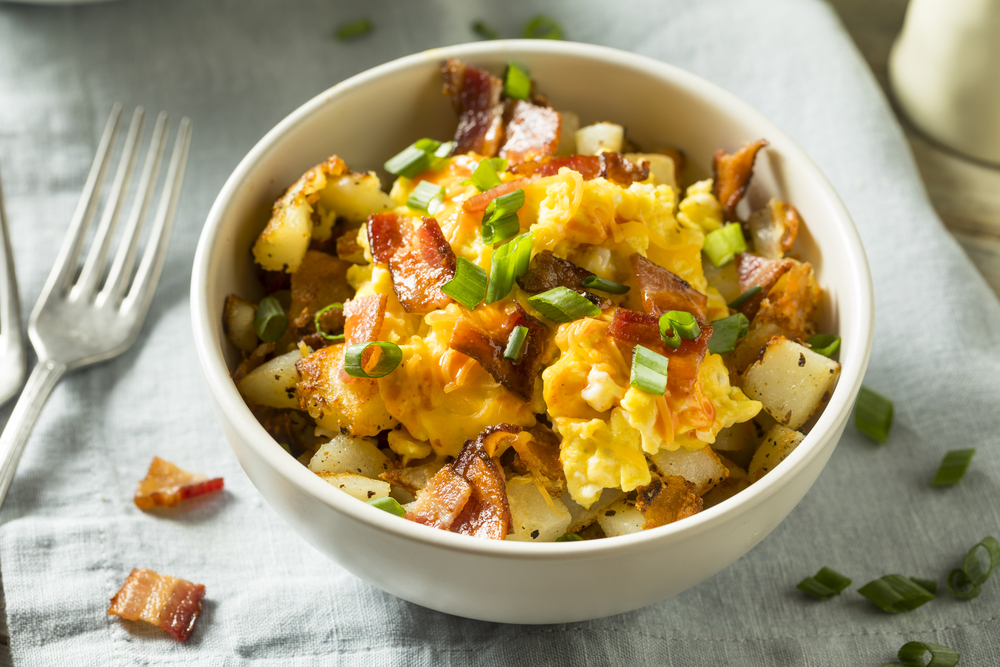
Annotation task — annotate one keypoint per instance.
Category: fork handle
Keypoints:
(36, 392)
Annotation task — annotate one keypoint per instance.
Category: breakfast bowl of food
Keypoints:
(531, 331)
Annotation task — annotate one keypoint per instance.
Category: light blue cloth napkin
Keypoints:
(70, 533)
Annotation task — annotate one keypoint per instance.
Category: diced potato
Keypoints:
(536, 516)
(355, 196)
(661, 167)
(568, 125)
(273, 383)
(778, 444)
(237, 322)
(702, 467)
(346, 454)
(620, 519)
(600, 137)
(415, 478)
(773, 228)
(583, 517)
(736, 438)
(791, 381)
(362, 488)
(737, 481)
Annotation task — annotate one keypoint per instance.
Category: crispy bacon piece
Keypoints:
(540, 454)
(548, 271)
(385, 235)
(420, 260)
(488, 347)
(364, 317)
(166, 485)
(532, 132)
(630, 328)
(475, 95)
(478, 203)
(169, 603)
(753, 270)
(442, 500)
(613, 166)
(667, 499)
(732, 175)
(487, 512)
(663, 290)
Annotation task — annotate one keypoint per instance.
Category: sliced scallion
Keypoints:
(966, 583)
(319, 327)
(602, 285)
(873, 415)
(746, 296)
(915, 654)
(825, 344)
(561, 304)
(895, 593)
(569, 537)
(487, 173)
(468, 286)
(649, 371)
(681, 324)
(961, 586)
(389, 356)
(500, 220)
(542, 27)
(953, 467)
(484, 30)
(726, 332)
(510, 261)
(354, 29)
(501, 229)
(824, 584)
(426, 197)
(389, 505)
(722, 245)
(517, 82)
(418, 157)
(515, 343)
(270, 320)
(928, 585)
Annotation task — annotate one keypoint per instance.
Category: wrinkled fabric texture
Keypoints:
(70, 533)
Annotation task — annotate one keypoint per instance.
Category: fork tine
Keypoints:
(65, 265)
(148, 274)
(121, 268)
(93, 267)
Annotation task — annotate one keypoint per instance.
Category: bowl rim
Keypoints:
(228, 399)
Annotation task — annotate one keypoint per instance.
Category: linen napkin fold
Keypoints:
(69, 534)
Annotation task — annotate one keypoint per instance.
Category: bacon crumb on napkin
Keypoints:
(166, 485)
(169, 603)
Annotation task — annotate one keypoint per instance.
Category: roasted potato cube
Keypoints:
(791, 381)
(778, 444)
(362, 488)
(620, 519)
(600, 137)
(354, 455)
(355, 196)
(737, 481)
(237, 322)
(661, 167)
(702, 467)
(273, 383)
(536, 516)
(583, 517)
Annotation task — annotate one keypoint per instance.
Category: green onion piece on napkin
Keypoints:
(873, 415)
(824, 584)
(895, 593)
(953, 467)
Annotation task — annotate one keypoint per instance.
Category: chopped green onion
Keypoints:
(561, 304)
(510, 261)
(953, 467)
(484, 31)
(972, 573)
(270, 320)
(825, 344)
(569, 537)
(354, 29)
(895, 593)
(468, 286)
(746, 296)
(602, 285)
(319, 327)
(649, 371)
(354, 359)
(825, 584)
(873, 415)
(726, 332)
(418, 157)
(517, 82)
(515, 343)
(914, 654)
(961, 586)
(928, 585)
(682, 325)
(487, 174)
(389, 505)
(501, 230)
(426, 197)
(724, 244)
(542, 27)
(500, 220)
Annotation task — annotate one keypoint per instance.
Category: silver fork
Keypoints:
(13, 360)
(81, 319)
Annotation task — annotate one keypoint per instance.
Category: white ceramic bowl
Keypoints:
(369, 118)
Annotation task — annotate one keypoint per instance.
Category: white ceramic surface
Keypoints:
(367, 119)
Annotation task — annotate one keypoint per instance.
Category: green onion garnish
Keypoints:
(487, 173)
(914, 654)
(500, 218)
(895, 593)
(928, 585)
(270, 320)
(825, 584)
(602, 285)
(726, 332)
(468, 286)
(649, 371)
(542, 27)
(501, 230)
(436, 151)
(681, 324)
(418, 157)
(825, 344)
(961, 586)
(484, 31)
(426, 197)
(517, 82)
(354, 29)
(389, 357)
(724, 244)
(319, 327)
(873, 415)
(972, 575)
(515, 343)
(561, 304)
(510, 261)
(389, 505)
(953, 467)
(746, 296)
(569, 537)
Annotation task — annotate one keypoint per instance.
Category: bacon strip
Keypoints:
(420, 261)
(442, 500)
(663, 290)
(166, 485)
(754, 270)
(613, 166)
(667, 499)
(385, 235)
(169, 603)
(732, 175)
(548, 271)
(363, 324)
(532, 132)
(475, 95)
(487, 513)
(488, 348)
